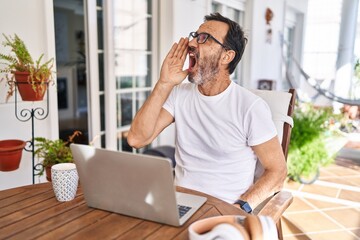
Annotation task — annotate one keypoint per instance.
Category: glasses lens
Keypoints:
(202, 37)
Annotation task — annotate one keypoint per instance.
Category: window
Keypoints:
(133, 52)
(123, 59)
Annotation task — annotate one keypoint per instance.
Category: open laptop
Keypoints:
(136, 185)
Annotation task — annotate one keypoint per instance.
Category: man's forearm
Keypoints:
(144, 123)
(150, 120)
(268, 184)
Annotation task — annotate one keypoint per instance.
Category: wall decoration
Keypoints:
(266, 84)
(268, 17)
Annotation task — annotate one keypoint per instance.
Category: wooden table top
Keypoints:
(30, 212)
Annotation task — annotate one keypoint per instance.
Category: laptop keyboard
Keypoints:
(183, 210)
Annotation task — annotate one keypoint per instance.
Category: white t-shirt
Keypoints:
(213, 138)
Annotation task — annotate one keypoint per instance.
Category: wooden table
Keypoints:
(33, 212)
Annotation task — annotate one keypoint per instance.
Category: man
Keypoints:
(221, 128)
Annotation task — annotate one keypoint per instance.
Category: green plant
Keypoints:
(307, 150)
(54, 151)
(20, 60)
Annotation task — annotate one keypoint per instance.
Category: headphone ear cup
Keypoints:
(253, 225)
(269, 228)
(260, 227)
(226, 231)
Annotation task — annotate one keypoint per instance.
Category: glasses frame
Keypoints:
(207, 36)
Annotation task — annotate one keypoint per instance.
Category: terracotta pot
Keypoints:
(10, 154)
(48, 173)
(26, 91)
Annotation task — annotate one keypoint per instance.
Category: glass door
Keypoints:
(122, 39)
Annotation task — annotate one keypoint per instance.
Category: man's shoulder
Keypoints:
(245, 93)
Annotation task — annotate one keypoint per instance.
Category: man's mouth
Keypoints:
(192, 59)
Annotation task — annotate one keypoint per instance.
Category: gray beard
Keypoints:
(208, 69)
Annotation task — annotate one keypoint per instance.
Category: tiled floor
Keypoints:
(328, 208)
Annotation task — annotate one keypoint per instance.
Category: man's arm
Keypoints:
(272, 158)
(151, 119)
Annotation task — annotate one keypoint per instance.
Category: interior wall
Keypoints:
(33, 22)
(266, 55)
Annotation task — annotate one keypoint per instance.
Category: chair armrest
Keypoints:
(276, 205)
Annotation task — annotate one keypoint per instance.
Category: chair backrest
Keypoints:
(282, 107)
(163, 151)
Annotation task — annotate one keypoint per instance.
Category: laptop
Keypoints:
(135, 185)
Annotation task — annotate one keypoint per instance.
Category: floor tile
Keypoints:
(340, 235)
(349, 218)
(309, 222)
(343, 180)
(343, 171)
(290, 228)
(355, 180)
(349, 195)
(349, 163)
(356, 232)
(320, 190)
(298, 205)
(322, 204)
(324, 173)
(297, 237)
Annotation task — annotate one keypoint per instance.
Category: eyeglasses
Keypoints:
(203, 37)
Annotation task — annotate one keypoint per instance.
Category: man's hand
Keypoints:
(172, 68)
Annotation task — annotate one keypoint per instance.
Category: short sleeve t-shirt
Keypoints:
(214, 135)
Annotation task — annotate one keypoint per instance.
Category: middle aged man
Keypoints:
(221, 128)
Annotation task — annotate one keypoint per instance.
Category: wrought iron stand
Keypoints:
(25, 115)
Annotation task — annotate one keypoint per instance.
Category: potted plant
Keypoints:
(53, 152)
(10, 154)
(31, 77)
(307, 149)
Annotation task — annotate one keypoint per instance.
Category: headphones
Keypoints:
(232, 227)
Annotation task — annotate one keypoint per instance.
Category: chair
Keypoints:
(282, 107)
(162, 151)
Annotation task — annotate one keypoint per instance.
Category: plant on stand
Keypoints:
(31, 77)
(53, 152)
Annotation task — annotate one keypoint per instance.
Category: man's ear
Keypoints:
(228, 56)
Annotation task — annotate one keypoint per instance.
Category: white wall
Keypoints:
(33, 22)
(266, 57)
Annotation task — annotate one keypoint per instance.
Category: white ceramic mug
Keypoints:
(65, 181)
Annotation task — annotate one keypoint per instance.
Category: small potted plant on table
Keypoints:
(53, 152)
(29, 76)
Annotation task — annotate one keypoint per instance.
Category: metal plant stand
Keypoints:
(25, 115)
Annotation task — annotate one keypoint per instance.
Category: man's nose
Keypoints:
(193, 43)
